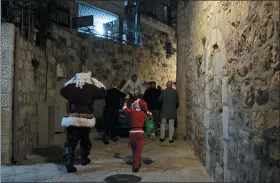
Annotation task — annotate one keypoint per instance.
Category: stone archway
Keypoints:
(216, 114)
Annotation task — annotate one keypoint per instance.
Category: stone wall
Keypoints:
(7, 75)
(230, 55)
(110, 60)
(36, 82)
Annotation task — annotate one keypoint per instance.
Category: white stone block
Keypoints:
(225, 155)
(207, 97)
(6, 100)
(6, 128)
(6, 86)
(206, 121)
(6, 71)
(6, 114)
(226, 174)
(7, 30)
(225, 116)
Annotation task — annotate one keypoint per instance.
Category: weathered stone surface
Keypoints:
(6, 114)
(275, 88)
(109, 60)
(249, 80)
(32, 87)
(6, 86)
(258, 122)
(273, 118)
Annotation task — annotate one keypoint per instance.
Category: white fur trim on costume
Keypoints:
(136, 131)
(79, 122)
(124, 107)
(98, 83)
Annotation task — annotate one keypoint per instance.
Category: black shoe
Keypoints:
(85, 161)
(69, 164)
(161, 140)
(171, 141)
(115, 139)
(135, 170)
(105, 140)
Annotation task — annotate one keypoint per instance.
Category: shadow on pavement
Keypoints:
(53, 154)
(129, 161)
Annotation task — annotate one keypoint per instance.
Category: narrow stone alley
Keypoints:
(161, 162)
(222, 57)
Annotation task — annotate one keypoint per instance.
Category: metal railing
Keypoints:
(109, 26)
(118, 30)
(159, 11)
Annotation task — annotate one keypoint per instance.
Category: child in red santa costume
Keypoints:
(137, 116)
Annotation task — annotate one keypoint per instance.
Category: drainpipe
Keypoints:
(136, 3)
(136, 20)
(15, 116)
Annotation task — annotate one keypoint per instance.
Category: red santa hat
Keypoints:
(142, 105)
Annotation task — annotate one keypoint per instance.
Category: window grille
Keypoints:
(109, 26)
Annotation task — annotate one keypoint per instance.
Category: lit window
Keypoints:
(100, 18)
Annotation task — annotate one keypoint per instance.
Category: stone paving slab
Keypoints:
(167, 163)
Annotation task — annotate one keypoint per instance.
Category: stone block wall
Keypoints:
(110, 60)
(35, 82)
(230, 55)
(7, 75)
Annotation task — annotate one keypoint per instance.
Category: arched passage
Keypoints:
(216, 113)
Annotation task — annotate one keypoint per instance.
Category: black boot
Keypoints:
(69, 164)
(84, 157)
(106, 140)
(136, 169)
(68, 159)
(85, 161)
(114, 138)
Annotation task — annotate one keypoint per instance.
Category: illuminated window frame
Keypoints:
(100, 17)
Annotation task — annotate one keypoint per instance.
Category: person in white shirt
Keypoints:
(133, 87)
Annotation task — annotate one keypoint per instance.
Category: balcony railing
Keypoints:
(109, 26)
(159, 11)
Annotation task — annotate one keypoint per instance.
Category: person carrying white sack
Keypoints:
(81, 91)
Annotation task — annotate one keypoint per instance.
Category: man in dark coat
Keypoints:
(81, 92)
(169, 100)
(151, 96)
(111, 112)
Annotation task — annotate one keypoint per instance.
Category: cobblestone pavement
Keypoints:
(161, 162)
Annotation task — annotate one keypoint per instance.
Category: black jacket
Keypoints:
(169, 100)
(80, 100)
(113, 99)
(151, 96)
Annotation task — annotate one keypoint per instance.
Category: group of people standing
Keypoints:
(82, 90)
(162, 104)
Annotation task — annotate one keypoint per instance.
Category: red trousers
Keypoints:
(136, 141)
